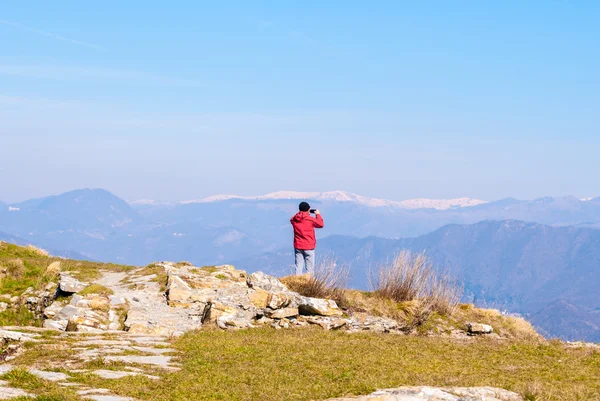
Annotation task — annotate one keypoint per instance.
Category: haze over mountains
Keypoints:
(542, 268)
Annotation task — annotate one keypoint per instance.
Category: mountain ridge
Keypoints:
(336, 196)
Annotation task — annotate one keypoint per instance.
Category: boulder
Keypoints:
(479, 328)
(178, 291)
(70, 285)
(265, 282)
(317, 306)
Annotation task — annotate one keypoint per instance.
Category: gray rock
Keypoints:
(116, 300)
(56, 324)
(51, 311)
(3, 306)
(109, 398)
(4, 369)
(282, 313)
(118, 374)
(266, 282)
(6, 393)
(67, 312)
(479, 328)
(51, 376)
(158, 360)
(317, 306)
(70, 285)
(8, 335)
(438, 394)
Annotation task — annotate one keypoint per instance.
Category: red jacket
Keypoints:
(304, 230)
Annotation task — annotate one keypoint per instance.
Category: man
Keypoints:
(304, 237)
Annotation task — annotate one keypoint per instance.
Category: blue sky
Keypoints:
(185, 99)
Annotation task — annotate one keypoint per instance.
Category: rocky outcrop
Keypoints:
(197, 297)
(438, 394)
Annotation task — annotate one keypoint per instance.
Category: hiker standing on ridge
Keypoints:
(304, 237)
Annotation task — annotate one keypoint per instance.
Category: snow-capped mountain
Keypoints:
(338, 196)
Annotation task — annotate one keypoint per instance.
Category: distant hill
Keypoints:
(83, 209)
(517, 266)
(216, 229)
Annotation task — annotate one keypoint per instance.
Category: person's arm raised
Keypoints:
(318, 222)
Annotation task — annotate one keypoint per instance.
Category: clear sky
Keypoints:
(393, 99)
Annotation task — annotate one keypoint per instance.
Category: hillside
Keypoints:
(173, 349)
(521, 267)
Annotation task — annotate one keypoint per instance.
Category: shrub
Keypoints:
(53, 269)
(15, 268)
(412, 277)
(329, 281)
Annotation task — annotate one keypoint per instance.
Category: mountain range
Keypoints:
(334, 196)
(537, 257)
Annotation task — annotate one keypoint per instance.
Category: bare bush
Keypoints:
(330, 280)
(14, 268)
(414, 277)
(53, 269)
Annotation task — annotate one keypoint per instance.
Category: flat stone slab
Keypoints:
(438, 394)
(88, 391)
(102, 394)
(158, 360)
(94, 342)
(151, 350)
(4, 369)
(119, 374)
(109, 398)
(6, 393)
(51, 376)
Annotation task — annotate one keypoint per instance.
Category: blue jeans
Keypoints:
(303, 258)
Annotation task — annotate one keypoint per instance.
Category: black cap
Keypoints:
(304, 207)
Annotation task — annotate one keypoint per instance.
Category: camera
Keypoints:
(312, 211)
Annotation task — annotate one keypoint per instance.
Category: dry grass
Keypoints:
(506, 326)
(412, 277)
(37, 251)
(14, 268)
(53, 269)
(329, 281)
(161, 275)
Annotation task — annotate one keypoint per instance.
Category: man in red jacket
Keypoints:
(304, 237)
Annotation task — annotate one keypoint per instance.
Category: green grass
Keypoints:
(45, 390)
(19, 317)
(312, 364)
(96, 289)
(33, 274)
